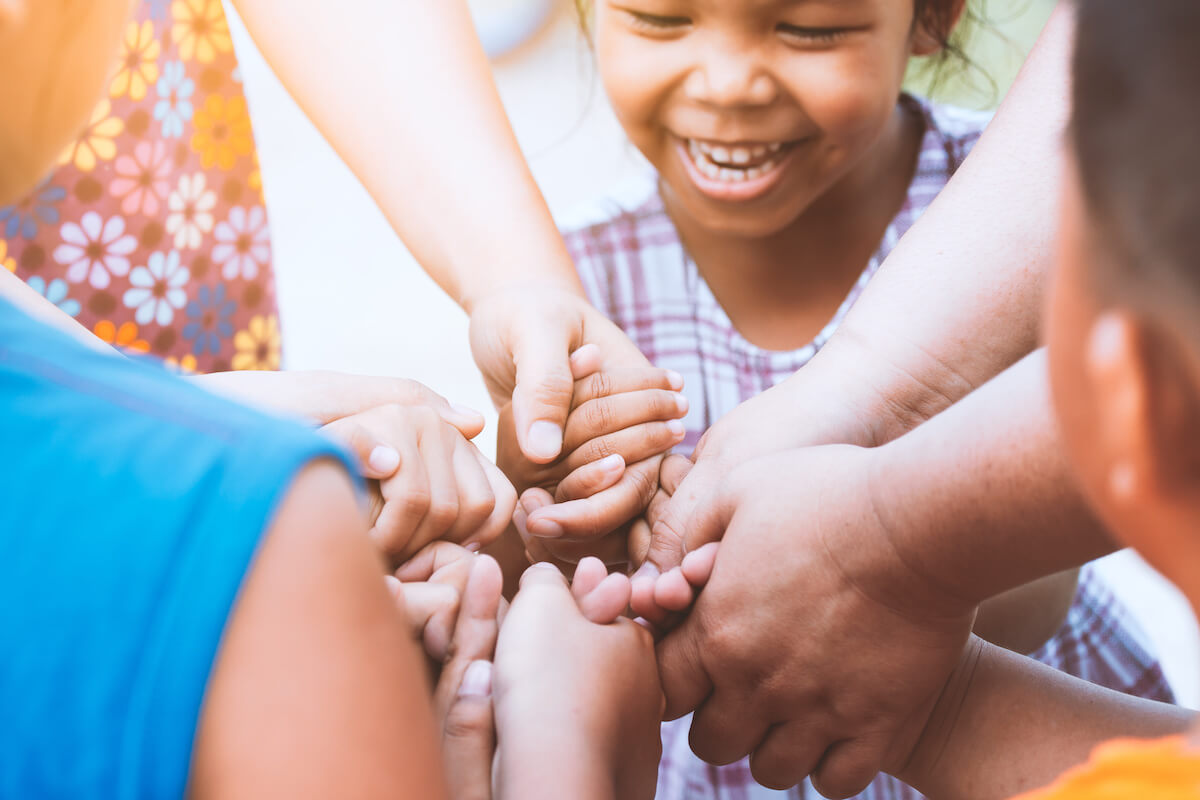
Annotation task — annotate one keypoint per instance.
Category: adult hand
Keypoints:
(814, 642)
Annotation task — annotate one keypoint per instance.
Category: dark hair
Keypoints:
(937, 16)
(1135, 129)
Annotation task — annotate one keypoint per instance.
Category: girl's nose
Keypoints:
(730, 78)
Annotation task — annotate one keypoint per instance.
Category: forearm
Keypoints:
(1008, 724)
(981, 499)
(960, 297)
(403, 92)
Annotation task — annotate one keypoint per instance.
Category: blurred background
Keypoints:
(391, 319)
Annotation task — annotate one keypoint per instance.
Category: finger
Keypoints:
(639, 539)
(672, 591)
(595, 516)
(504, 499)
(476, 628)
(723, 729)
(585, 361)
(423, 601)
(588, 575)
(431, 559)
(642, 594)
(376, 458)
(476, 501)
(634, 444)
(606, 415)
(685, 680)
(590, 479)
(469, 736)
(619, 381)
(544, 575)
(405, 503)
(787, 754)
(437, 455)
(672, 472)
(698, 565)
(848, 766)
(543, 392)
(607, 600)
(341, 396)
(698, 513)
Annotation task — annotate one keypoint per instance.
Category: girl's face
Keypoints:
(750, 110)
(56, 56)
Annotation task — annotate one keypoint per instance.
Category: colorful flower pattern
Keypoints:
(153, 230)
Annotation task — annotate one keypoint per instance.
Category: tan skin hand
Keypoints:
(777, 668)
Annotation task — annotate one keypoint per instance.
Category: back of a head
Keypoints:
(1136, 139)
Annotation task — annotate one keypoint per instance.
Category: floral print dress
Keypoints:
(152, 231)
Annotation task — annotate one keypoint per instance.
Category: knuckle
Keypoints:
(442, 512)
(601, 385)
(467, 721)
(598, 415)
(415, 502)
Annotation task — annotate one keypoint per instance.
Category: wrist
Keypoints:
(503, 283)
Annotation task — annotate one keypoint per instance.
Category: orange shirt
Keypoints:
(1129, 769)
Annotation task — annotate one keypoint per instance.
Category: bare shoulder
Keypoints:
(317, 690)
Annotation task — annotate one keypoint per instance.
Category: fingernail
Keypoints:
(675, 427)
(674, 380)
(681, 403)
(393, 584)
(519, 518)
(384, 460)
(611, 463)
(543, 565)
(544, 528)
(477, 680)
(466, 411)
(472, 547)
(545, 439)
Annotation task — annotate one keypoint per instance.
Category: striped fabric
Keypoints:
(636, 271)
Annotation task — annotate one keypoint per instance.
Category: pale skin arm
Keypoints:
(1007, 724)
(314, 633)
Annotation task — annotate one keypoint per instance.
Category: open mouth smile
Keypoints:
(734, 172)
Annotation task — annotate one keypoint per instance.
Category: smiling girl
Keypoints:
(787, 163)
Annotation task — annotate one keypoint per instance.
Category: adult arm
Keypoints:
(1007, 724)
(442, 162)
(957, 301)
(317, 689)
(860, 570)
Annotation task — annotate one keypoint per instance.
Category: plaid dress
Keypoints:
(636, 271)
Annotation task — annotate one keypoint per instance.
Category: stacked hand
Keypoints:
(567, 690)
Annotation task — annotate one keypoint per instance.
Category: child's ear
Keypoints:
(938, 20)
(1147, 394)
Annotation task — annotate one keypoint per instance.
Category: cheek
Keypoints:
(849, 94)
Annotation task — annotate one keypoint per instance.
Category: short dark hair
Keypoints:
(1135, 132)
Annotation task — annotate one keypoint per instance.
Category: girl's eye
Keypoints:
(657, 22)
(813, 35)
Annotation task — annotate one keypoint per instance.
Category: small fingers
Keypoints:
(585, 361)
(595, 516)
(376, 458)
(606, 601)
(504, 503)
(606, 415)
(636, 443)
(469, 735)
(698, 565)
(590, 479)
(619, 381)
(588, 575)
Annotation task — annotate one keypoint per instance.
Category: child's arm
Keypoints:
(440, 159)
(1007, 724)
(314, 633)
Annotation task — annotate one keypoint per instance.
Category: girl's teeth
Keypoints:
(708, 160)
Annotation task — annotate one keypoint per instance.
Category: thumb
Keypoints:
(542, 397)
(376, 458)
(697, 514)
(469, 736)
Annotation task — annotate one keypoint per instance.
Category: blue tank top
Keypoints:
(131, 506)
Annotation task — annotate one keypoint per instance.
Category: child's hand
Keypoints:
(577, 703)
(440, 486)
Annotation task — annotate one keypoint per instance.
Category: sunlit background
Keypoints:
(353, 299)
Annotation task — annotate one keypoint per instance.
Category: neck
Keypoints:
(781, 289)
